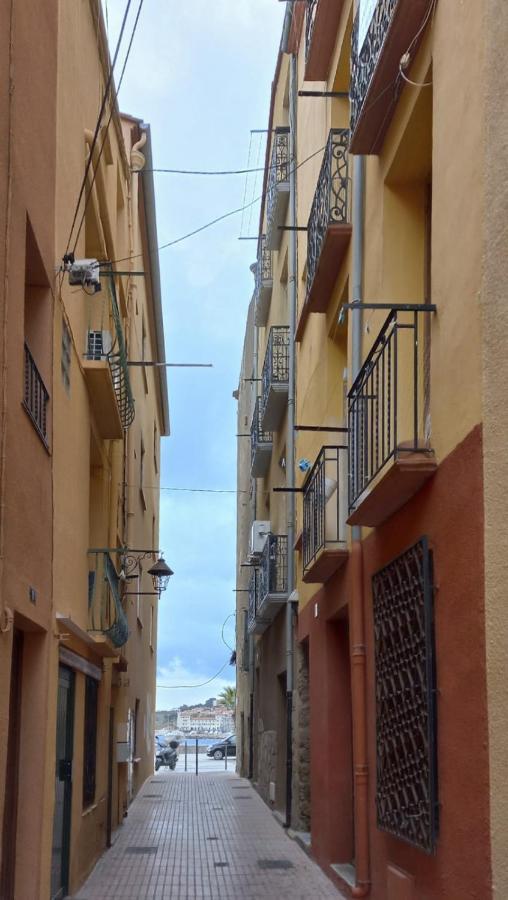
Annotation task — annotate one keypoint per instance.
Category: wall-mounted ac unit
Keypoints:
(98, 344)
(259, 533)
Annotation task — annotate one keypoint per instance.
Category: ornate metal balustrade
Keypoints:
(375, 77)
(278, 186)
(406, 747)
(275, 375)
(260, 443)
(35, 396)
(264, 282)
(272, 573)
(364, 59)
(117, 359)
(105, 611)
(324, 509)
(331, 204)
(253, 598)
(387, 401)
(309, 25)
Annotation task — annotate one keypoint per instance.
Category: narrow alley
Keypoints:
(206, 836)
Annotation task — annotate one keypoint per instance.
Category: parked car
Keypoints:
(218, 750)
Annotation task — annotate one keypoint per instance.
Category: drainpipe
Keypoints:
(252, 643)
(290, 446)
(357, 622)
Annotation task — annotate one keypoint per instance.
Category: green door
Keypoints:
(63, 784)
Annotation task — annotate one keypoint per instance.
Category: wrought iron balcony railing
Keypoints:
(272, 574)
(255, 624)
(102, 345)
(106, 614)
(264, 282)
(309, 25)
(381, 34)
(260, 444)
(35, 396)
(387, 404)
(330, 208)
(324, 514)
(275, 377)
(278, 187)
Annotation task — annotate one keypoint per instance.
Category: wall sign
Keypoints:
(366, 10)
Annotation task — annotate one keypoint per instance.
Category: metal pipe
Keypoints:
(290, 445)
(357, 623)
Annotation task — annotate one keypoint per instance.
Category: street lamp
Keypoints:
(161, 573)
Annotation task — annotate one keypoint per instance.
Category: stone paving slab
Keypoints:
(205, 836)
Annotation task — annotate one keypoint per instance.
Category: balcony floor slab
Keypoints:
(327, 562)
(261, 460)
(400, 480)
(275, 406)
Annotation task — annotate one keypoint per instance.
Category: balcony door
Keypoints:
(63, 784)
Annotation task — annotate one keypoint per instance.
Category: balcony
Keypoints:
(329, 226)
(382, 32)
(275, 378)
(106, 373)
(107, 621)
(322, 24)
(390, 457)
(277, 194)
(264, 283)
(272, 582)
(324, 544)
(260, 445)
(35, 397)
(256, 624)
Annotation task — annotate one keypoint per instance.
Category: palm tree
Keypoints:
(227, 697)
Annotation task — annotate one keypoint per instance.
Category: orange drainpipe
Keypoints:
(359, 692)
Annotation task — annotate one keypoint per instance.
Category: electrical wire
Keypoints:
(174, 687)
(233, 212)
(224, 641)
(200, 172)
(113, 102)
(98, 124)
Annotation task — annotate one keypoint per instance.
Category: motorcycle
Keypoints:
(167, 756)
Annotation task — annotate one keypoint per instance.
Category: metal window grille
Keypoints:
(406, 746)
(90, 745)
(276, 364)
(331, 204)
(253, 598)
(272, 572)
(35, 396)
(257, 435)
(386, 402)
(322, 508)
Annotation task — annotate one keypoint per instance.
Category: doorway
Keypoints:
(7, 872)
(60, 856)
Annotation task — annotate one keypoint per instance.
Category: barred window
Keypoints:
(90, 748)
(406, 747)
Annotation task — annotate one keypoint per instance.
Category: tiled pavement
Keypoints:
(205, 836)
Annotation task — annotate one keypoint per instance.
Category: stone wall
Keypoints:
(267, 761)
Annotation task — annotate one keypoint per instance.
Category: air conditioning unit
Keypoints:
(259, 534)
(98, 344)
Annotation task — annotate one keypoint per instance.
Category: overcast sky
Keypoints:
(200, 73)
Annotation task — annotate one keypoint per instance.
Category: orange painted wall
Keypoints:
(449, 510)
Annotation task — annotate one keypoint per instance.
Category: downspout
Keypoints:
(357, 620)
(290, 446)
(252, 643)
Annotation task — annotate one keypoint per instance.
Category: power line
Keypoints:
(98, 125)
(233, 212)
(114, 99)
(174, 687)
(201, 172)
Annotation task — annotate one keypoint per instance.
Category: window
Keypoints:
(90, 748)
(406, 790)
(65, 362)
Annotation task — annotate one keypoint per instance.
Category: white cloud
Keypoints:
(191, 680)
